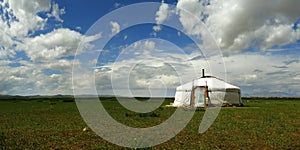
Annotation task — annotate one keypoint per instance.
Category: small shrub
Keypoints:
(143, 114)
(68, 100)
(52, 103)
(153, 114)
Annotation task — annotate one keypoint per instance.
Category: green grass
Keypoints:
(57, 124)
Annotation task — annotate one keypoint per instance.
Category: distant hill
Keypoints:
(59, 96)
(270, 98)
(31, 97)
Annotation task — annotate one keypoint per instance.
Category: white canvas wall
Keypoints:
(219, 92)
(182, 98)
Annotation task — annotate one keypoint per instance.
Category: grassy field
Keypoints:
(57, 124)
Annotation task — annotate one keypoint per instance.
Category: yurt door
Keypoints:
(199, 97)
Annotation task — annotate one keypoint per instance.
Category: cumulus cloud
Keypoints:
(258, 76)
(63, 65)
(165, 80)
(115, 27)
(190, 10)
(6, 48)
(30, 79)
(161, 16)
(52, 45)
(20, 21)
(148, 45)
(238, 25)
(141, 48)
(56, 44)
(20, 16)
(56, 12)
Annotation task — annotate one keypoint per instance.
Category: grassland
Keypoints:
(57, 124)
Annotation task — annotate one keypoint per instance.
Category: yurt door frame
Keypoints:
(196, 96)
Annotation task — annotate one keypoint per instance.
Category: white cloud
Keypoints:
(262, 74)
(179, 33)
(145, 45)
(297, 77)
(125, 37)
(281, 35)
(30, 79)
(78, 28)
(156, 28)
(116, 5)
(56, 44)
(164, 80)
(52, 45)
(63, 65)
(6, 48)
(161, 16)
(189, 22)
(138, 48)
(22, 16)
(115, 27)
(57, 12)
(20, 19)
(238, 25)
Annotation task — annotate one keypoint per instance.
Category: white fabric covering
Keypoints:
(218, 91)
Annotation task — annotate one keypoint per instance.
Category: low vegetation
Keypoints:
(56, 124)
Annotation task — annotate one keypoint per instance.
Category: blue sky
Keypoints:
(84, 14)
(259, 44)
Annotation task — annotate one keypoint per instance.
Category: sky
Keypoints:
(252, 44)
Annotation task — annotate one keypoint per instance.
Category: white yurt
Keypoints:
(207, 91)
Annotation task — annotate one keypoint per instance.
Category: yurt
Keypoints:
(207, 91)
